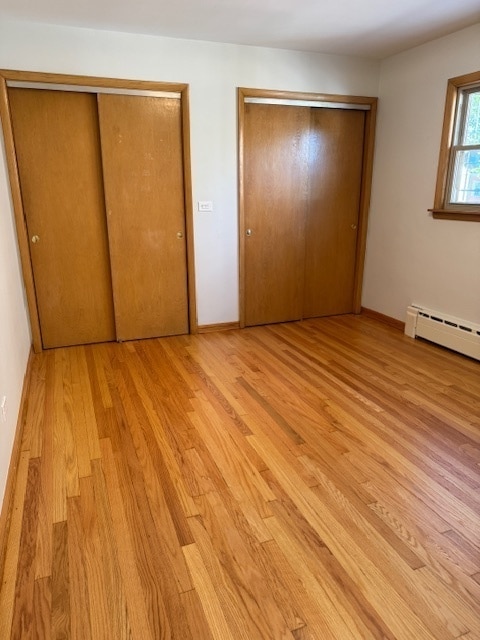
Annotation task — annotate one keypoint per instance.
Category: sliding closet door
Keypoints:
(335, 159)
(143, 173)
(58, 154)
(302, 182)
(275, 201)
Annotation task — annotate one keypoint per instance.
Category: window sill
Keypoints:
(455, 214)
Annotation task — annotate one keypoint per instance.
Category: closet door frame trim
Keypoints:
(7, 76)
(369, 105)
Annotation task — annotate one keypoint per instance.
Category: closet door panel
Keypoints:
(143, 173)
(275, 200)
(335, 170)
(58, 154)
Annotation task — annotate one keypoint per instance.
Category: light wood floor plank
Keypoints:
(96, 572)
(42, 609)
(60, 583)
(137, 612)
(79, 423)
(59, 465)
(208, 597)
(304, 481)
(160, 589)
(339, 537)
(10, 571)
(326, 616)
(23, 617)
(255, 610)
(33, 430)
(80, 627)
(244, 481)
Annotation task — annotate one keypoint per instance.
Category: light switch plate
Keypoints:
(205, 205)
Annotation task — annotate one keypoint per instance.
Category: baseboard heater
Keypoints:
(447, 331)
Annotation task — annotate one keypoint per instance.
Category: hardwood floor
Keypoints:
(312, 481)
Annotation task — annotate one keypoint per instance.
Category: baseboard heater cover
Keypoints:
(460, 335)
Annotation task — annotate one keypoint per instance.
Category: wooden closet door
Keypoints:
(275, 200)
(58, 154)
(335, 159)
(143, 172)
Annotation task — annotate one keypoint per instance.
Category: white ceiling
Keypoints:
(371, 28)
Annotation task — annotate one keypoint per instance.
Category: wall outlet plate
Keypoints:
(3, 409)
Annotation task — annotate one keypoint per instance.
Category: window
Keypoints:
(458, 182)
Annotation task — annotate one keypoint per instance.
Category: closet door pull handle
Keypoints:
(248, 232)
(35, 239)
(179, 235)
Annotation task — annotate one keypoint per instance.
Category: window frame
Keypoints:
(442, 207)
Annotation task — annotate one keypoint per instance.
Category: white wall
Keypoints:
(213, 72)
(14, 330)
(412, 258)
